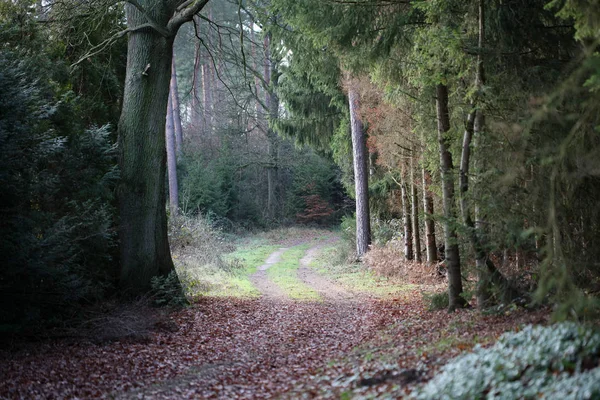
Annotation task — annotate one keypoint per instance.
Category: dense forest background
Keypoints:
(458, 131)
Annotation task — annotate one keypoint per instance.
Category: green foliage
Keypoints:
(168, 291)
(436, 301)
(58, 173)
(558, 361)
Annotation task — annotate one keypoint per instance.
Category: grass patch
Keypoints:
(251, 255)
(332, 263)
(285, 275)
(229, 276)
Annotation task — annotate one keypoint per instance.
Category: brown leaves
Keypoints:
(227, 348)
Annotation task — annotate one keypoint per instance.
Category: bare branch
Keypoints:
(109, 42)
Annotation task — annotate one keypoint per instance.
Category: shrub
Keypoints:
(436, 301)
(168, 291)
(559, 361)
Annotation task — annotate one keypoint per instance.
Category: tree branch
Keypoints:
(164, 32)
(184, 13)
(109, 42)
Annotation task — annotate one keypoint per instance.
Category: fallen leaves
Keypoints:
(231, 348)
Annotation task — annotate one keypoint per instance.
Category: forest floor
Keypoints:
(301, 328)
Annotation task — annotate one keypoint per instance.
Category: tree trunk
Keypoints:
(361, 183)
(172, 158)
(174, 98)
(455, 288)
(415, 213)
(271, 76)
(207, 99)
(143, 218)
(196, 114)
(430, 243)
(144, 241)
(406, 216)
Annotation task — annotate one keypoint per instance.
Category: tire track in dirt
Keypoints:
(261, 281)
(326, 289)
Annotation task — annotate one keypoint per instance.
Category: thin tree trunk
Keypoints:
(361, 183)
(196, 114)
(207, 99)
(172, 158)
(143, 220)
(415, 213)
(455, 288)
(430, 242)
(406, 216)
(174, 98)
(271, 77)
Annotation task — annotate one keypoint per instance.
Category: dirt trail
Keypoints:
(327, 289)
(260, 280)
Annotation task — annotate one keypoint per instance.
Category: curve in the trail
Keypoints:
(327, 289)
(261, 281)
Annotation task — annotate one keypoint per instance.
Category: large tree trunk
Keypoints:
(455, 288)
(143, 219)
(415, 213)
(430, 243)
(142, 154)
(172, 158)
(361, 182)
(407, 220)
(174, 98)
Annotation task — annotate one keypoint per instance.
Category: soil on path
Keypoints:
(261, 281)
(327, 289)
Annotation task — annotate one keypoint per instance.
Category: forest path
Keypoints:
(325, 287)
(302, 280)
(257, 348)
(260, 280)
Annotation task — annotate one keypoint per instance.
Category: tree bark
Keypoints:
(415, 213)
(455, 288)
(430, 242)
(172, 158)
(143, 220)
(142, 151)
(196, 114)
(271, 77)
(174, 98)
(406, 216)
(361, 183)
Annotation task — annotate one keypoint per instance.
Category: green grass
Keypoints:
(285, 275)
(232, 278)
(251, 255)
(330, 263)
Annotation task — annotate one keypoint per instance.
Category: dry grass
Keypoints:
(389, 262)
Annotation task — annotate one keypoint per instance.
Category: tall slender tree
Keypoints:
(361, 173)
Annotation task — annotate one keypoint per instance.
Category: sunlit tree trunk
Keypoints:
(196, 113)
(455, 288)
(174, 98)
(361, 182)
(172, 158)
